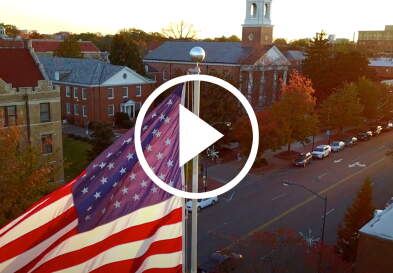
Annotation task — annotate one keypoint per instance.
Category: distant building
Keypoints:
(255, 62)
(29, 101)
(383, 68)
(296, 59)
(380, 41)
(48, 47)
(375, 248)
(93, 90)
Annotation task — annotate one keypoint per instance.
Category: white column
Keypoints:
(250, 85)
(285, 76)
(274, 91)
(262, 95)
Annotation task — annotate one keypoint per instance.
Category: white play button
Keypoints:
(195, 135)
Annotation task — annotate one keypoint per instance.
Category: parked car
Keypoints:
(350, 141)
(369, 133)
(202, 203)
(363, 136)
(219, 262)
(389, 126)
(321, 151)
(337, 146)
(302, 159)
(377, 131)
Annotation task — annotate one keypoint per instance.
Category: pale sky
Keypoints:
(292, 18)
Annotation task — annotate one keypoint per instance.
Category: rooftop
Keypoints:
(17, 67)
(381, 225)
(79, 71)
(383, 62)
(52, 45)
(216, 52)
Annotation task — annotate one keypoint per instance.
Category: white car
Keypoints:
(321, 151)
(338, 146)
(202, 203)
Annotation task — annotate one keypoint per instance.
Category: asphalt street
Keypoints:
(262, 203)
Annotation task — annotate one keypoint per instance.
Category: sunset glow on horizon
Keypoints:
(292, 19)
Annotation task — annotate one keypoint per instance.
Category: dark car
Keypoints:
(219, 262)
(302, 159)
(350, 141)
(363, 136)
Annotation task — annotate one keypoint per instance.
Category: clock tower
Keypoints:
(257, 27)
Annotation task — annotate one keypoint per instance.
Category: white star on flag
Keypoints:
(130, 156)
(102, 165)
(117, 204)
(167, 120)
(111, 166)
(169, 163)
(136, 197)
(159, 156)
(143, 184)
(85, 190)
(125, 190)
(162, 117)
(167, 141)
(104, 180)
(132, 176)
(97, 195)
(149, 148)
(122, 171)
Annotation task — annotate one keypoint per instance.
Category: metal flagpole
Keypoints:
(183, 176)
(197, 55)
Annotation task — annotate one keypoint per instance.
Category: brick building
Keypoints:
(255, 63)
(375, 249)
(383, 68)
(379, 41)
(93, 90)
(29, 101)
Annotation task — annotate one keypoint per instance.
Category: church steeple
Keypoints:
(257, 27)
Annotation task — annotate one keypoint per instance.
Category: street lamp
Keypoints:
(212, 153)
(287, 183)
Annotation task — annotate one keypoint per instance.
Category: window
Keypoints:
(125, 92)
(44, 112)
(10, 115)
(164, 76)
(75, 92)
(138, 90)
(124, 75)
(111, 109)
(68, 91)
(46, 144)
(253, 11)
(76, 109)
(84, 93)
(68, 108)
(110, 93)
(84, 110)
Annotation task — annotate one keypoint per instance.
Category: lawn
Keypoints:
(75, 157)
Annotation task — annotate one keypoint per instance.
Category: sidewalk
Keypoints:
(222, 173)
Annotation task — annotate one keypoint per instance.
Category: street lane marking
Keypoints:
(302, 204)
(338, 160)
(357, 164)
(322, 175)
(279, 196)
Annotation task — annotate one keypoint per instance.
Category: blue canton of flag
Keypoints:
(115, 184)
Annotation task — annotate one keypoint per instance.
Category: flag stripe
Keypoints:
(140, 217)
(134, 252)
(28, 259)
(134, 234)
(37, 235)
(176, 269)
(41, 217)
(132, 265)
(157, 262)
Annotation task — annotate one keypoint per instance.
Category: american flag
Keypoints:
(112, 218)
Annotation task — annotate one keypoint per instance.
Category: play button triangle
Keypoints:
(195, 135)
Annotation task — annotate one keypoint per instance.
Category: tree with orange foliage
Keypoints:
(268, 138)
(294, 114)
(24, 174)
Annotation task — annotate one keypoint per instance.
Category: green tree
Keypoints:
(101, 41)
(69, 48)
(102, 139)
(124, 51)
(232, 38)
(372, 96)
(317, 65)
(341, 109)
(10, 30)
(294, 113)
(357, 215)
(281, 43)
(300, 44)
(25, 174)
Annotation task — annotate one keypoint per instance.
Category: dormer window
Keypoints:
(125, 76)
